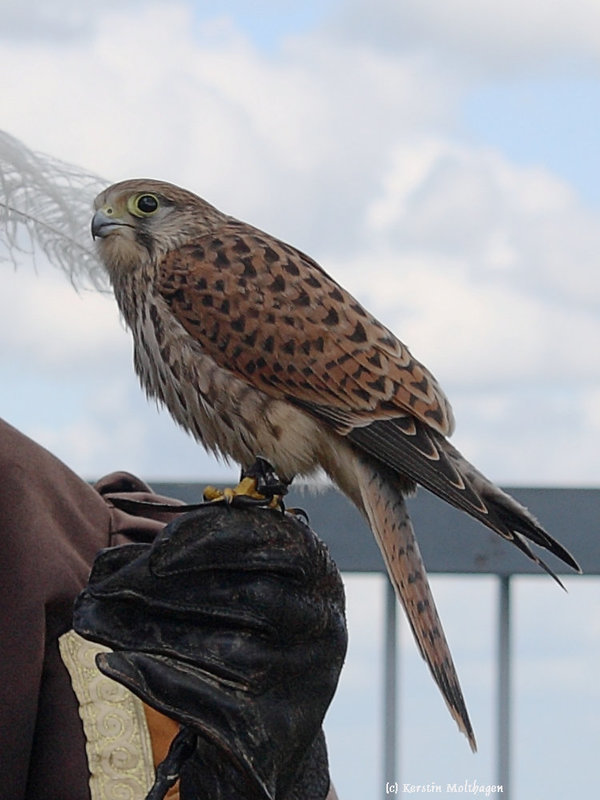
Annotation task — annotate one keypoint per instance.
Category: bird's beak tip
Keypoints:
(98, 222)
(102, 225)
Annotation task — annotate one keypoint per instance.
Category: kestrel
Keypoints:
(256, 350)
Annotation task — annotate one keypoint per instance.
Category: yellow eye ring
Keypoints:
(143, 204)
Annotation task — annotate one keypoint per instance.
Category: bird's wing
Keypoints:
(408, 446)
(273, 317)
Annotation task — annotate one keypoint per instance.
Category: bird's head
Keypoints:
(138, 221)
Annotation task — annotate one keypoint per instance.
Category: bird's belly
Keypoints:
(228, 416)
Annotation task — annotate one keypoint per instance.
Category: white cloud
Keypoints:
(591, 410)
(61, 19)
(53, 328)
(473, 204)
(502, 36)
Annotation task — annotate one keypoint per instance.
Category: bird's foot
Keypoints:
(259, 485)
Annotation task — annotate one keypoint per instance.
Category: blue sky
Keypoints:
(441, 160)
(551, 121)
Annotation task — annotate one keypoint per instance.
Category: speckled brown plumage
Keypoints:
(277, 320)
(255, 350)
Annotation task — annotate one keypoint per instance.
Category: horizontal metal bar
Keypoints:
(450, 540)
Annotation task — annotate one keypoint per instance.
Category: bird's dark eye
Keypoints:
(147, 203)
(142, 205)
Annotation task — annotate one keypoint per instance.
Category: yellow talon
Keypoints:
(211, 493)
(260, 474)
(245, 488)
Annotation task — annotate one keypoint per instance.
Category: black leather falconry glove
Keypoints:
(232, 623)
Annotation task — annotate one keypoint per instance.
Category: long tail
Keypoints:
(387, 514)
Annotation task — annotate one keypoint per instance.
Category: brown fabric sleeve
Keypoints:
(52, 524)
(126, 527)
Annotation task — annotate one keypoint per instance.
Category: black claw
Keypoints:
(300, 512)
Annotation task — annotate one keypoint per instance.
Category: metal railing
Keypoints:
(450, 542)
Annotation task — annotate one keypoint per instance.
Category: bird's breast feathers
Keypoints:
(227, 415)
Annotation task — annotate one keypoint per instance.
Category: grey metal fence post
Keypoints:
(390, 690)
(504, 684)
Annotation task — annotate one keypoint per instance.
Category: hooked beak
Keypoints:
(103, 225)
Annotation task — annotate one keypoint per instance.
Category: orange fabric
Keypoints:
(162, 731)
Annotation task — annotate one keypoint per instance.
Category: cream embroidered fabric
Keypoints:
(119, 750)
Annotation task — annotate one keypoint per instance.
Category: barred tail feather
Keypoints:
(387, 514)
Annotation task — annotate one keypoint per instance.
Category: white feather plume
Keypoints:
(45, 205)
